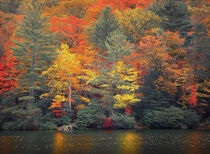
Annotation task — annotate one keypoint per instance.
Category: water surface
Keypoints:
(106, 142)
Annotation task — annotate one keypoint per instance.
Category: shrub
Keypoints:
(63, 120)
(171, 117)
(48, 125)
(91, 117)
(47, 122)
(166, 118)
(207, 123)
(10, 125)
(20, 119)
(191, 119)
(122, 121)
(108, 123)
(1, 120)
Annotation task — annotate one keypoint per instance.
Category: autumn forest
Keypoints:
(104, 64)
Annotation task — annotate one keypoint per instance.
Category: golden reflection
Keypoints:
(65, 143)
(59, 142)
(194, 146)
(6, 146)
(130, 143)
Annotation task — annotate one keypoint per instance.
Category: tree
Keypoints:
(165, 56)
(62, 76)
(62, 8)
(199, 54)
(10, 6)
(34, 51)
(116, 84)
(8, 72)
(175, 16)
(137, 22)
(70, 31)
(105, 24)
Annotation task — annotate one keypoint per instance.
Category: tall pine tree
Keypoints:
(117, 83)
(175, 16)
(105, 24)
(34, 50)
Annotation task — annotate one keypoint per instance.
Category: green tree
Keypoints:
(34, 50)
(10, 6)
(117, 83)
(200, 59)
(105, 24)
(175, 16)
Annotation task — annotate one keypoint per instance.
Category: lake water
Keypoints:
(106, 142)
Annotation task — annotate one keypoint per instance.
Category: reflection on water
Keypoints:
(196, 144)
(103, 142)
(59, 143)
(6, 144)
(64, 143)
(130, 142)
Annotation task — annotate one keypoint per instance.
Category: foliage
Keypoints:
(107, 123)
(20, 119)
(90, 116)
(135, 23)
(122, 121)
(63, 120)
(105, 24)
(199, 53)
(70, 31)
(61, 74)
(113, 56)
(191, 119)
(207, 123)
(175, 16)
(171, 117)
(33, 50)
(49, 125)
(10, 6)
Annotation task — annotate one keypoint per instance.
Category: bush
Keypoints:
(172, 117)
(63, 120)
(166, 118)
(122, 121)
(19, 119)
(207, 123)
(47, 122)
(47, 125)
(90, 117)
(191, 119)
(1, 120)
(10, 126)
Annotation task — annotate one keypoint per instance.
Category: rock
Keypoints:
(67, 128)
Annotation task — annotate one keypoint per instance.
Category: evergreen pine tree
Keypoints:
(110, 85)
(105, 24)
(175, 16)
(200, 59)
(34, 50)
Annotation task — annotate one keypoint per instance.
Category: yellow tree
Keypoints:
(136, 22)
(62, 76)
(128, 85)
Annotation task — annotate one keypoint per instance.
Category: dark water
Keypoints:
(106, 142)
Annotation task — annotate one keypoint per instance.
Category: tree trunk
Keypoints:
(31, 90)
(69, 105)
